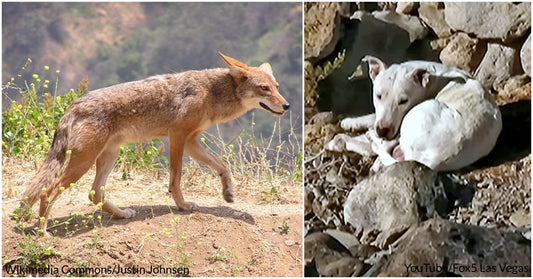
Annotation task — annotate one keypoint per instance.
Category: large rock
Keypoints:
(409, 23)
(432, 13)
(322, 28)
(463, 52)
(406, 7)
(444, 248)
(525, 56)
(391, 200)
(331, 253)
(435, 247)
(503, 21)
(498, 64)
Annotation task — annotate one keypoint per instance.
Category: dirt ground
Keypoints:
(258, 235)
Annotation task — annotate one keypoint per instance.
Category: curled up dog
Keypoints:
(430, 113)
(179, 106)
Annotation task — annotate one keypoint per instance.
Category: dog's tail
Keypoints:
(50, 170)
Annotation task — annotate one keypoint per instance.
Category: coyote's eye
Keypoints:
(264, 88)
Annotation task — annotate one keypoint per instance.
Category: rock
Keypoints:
(440, 43)
(334, 264)
(463, 52)
(322, 28)
(503, 21)
(525, 56)
(517, 88)
(289, 242)
(497, 65)
(330, 257)
(432, 13)
(308, 200)
(405, 7)
(444, 248)
(348, 240)
(391, 200)
(310, 84)
(411, 24)
(313, 243)
(521, 219)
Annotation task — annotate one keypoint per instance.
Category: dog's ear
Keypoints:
(375, 66)
(421, 76)
(237, 69)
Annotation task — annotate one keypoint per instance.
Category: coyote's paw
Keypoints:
(227, 187)
(188, 206)
(125, 213)
(46, 234)
(228, 195)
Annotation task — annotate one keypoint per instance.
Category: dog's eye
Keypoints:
(403, 102)
(379, 96)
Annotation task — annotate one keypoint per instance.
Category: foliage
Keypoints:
(130, 41)
(321, 72)
(33, 254)
(28, 126)
(28, 130)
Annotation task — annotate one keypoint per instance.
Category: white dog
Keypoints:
(429, 112)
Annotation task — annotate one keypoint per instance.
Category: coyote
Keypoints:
(179, 106)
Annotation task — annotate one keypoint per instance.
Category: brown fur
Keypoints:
(179, 106)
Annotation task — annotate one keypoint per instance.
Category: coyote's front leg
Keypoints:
(195, 150)
(177, 143)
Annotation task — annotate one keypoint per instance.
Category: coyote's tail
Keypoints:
(49, 171)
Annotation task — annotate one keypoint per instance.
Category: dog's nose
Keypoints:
(286, 106)
(382, 132)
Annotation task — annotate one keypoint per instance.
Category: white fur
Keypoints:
(430, 113)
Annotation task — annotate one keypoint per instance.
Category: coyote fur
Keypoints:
(179, 106)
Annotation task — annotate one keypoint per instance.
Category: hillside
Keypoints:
(116, 42)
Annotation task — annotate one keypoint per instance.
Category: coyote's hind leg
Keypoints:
(104, 165)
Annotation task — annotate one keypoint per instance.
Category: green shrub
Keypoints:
(28, 125)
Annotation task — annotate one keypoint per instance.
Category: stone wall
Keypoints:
(489, 40)
(397, 222)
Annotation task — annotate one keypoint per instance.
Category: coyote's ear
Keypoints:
(237, 69)
(375, 66)
(265, 67)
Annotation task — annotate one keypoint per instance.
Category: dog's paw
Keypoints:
(349, 124)
(360, 123)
